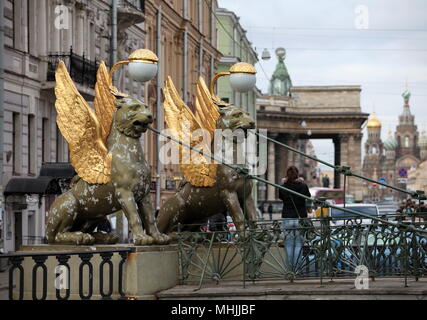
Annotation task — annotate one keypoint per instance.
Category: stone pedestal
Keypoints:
(147, 270)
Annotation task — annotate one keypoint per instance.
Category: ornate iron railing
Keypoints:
(326, 248)
(135, 4)
(62, 274)
(81, 69)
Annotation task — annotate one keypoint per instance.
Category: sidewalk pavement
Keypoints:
(339, 289)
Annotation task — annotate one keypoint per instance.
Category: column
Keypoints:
(344, 148)
(79, 45)
(56, 34)
(283, 155)
(355, 162)
(337, 158)
(42, 28)
(292, 156)
(271, 173)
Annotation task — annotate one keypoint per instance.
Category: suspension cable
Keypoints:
(345, 170)
(245, 173)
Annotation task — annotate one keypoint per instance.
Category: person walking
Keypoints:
(270, 211)
(294, 209)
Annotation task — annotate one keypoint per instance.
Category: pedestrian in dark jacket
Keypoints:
(291, 202)
(293, 208)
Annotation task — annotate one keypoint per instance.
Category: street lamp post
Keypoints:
(242, 78)
(142, 65)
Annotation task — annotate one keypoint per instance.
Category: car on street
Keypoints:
(340, 217)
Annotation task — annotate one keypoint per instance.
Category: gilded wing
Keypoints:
(206, 111)
(104, 101)
(82, 130)
(199, 170)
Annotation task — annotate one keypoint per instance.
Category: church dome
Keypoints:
(390, 143)
(423, 141)
(406, 94)
(374, 122)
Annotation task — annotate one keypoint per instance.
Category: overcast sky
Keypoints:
(324, 47)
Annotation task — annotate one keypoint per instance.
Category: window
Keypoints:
(406, 142)
(16, 144)
(58, 145)
(45, 140)
(32, 134)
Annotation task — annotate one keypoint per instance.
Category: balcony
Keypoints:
(82, 70)
(133, 4)
(130, 12)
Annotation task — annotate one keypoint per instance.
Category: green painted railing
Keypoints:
(328, 248)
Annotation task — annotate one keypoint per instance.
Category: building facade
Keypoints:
(37, 35)
(235, 47)
(391, 160)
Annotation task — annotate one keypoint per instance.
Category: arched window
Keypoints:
(406, 142)
(374, 150)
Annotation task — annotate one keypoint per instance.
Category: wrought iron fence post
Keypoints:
(415, 257)
(63, 261)
(244, 254)
(323, 235)
(180, 256)
(16, 264)
(124, 256)
(207, 261)
(106, 259)
(85, 257)
(405, 256)
(39, 260)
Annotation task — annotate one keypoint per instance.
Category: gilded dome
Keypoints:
(374, 122)
(390, 143)
(423, 140)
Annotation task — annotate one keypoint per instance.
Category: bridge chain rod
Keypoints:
(245, 172)
(345, 170)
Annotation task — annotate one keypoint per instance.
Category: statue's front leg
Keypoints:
(146, 213)
(250, 208)
(130, 209)
(231, 201)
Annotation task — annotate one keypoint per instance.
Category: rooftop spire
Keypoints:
(280, 82)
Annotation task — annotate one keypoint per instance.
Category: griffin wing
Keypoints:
(199, 171)
(82, 130)
(104, 101)
(206, 111)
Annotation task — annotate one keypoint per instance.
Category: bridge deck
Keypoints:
(301, 289)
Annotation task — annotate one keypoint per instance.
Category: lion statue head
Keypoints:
(132, 117)
(233, 118)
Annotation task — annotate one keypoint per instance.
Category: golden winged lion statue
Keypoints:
(112, 173)
(209, 188)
